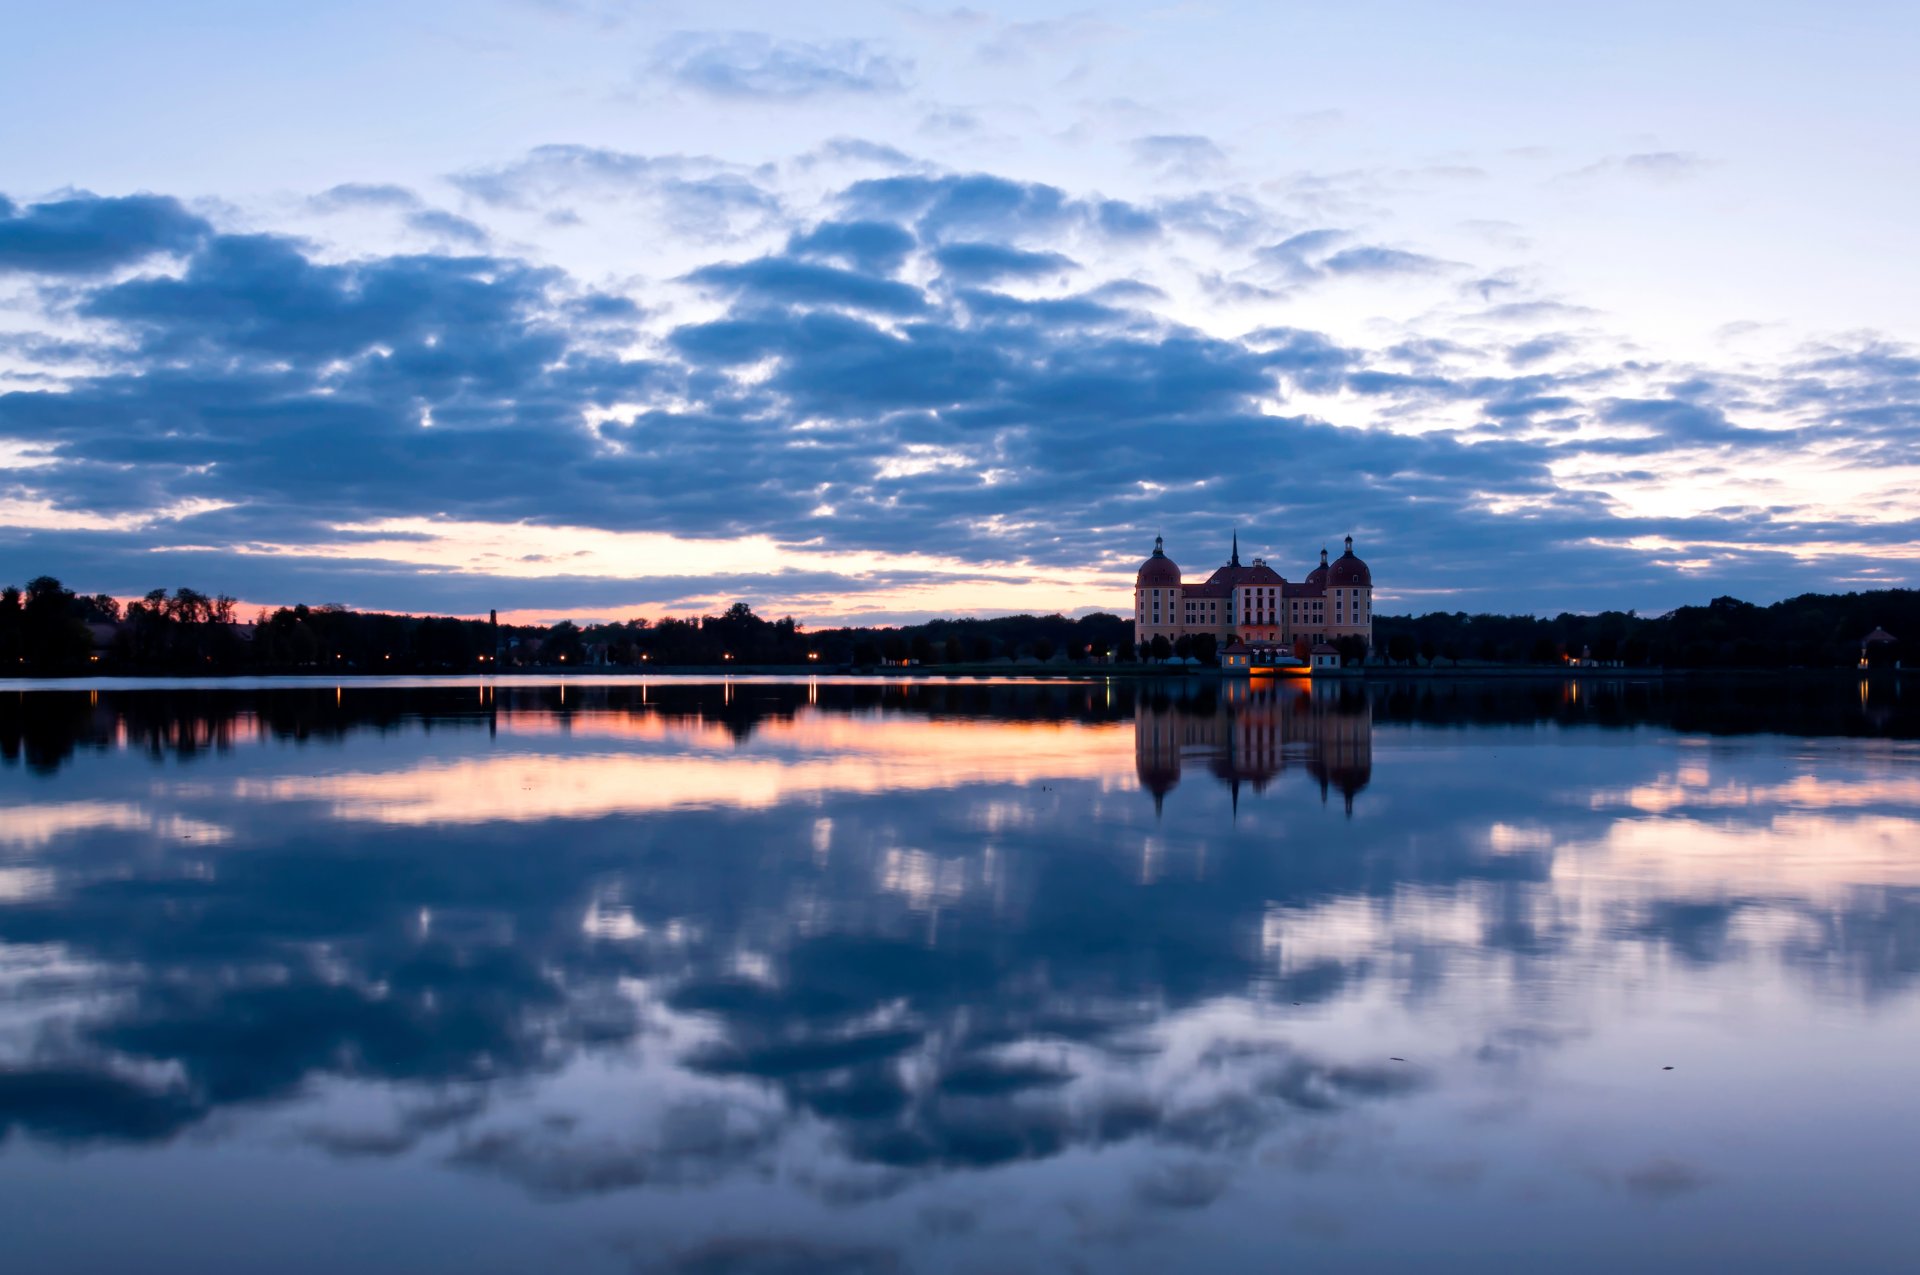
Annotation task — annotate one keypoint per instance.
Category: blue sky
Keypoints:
(866, 311)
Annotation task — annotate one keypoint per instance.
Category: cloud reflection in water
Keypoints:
(1041, 970)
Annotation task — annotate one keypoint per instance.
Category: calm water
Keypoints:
(781, 977)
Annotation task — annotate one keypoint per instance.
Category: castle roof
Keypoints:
(1159, 569)
(1349, 570)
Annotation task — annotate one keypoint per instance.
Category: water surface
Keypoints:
(775, 976)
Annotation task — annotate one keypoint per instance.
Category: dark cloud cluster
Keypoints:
(288, 393)
(84, 234)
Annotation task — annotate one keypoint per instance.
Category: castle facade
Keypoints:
(1254, 603)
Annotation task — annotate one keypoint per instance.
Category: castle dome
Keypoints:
(1159, 570)
(1349, 570)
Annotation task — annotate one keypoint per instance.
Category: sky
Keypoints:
(867, 312)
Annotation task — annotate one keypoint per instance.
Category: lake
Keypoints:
(770, 977)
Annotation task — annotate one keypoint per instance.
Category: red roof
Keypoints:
(1159, 570)
(1349, 570)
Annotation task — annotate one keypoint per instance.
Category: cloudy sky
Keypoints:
(874, 310)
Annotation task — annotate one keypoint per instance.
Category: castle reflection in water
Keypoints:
(1251, 732)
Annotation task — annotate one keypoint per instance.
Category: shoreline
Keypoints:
(939, 673)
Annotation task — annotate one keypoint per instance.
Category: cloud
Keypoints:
(700, 197)
(365, 195)
(252, 405)
(694, 1142)
(1179, 154)
(765, 1255)
(1372, 260)
(1179, 1185)
(980, 206)
(782, 281)
(990, 263)
(876, 247)
(1663, 165)
(450, 226)
(858, 150)
(750, 66)
(1663, 1178)
(86, 234)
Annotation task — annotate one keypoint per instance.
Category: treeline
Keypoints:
(48, 629)
(1814, 630)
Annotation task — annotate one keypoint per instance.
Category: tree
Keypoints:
(955, 654)
(1043, 649)
(563, 644)
(1205, 647)
(1429, 650)
(12, 634)
(1400, 649)
(1183, 645)
(1161, 648)
(1545, 651)
(982, 650)
(922, 649)
(54, 636)
(1352, 648)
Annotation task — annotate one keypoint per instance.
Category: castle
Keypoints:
(1254, 604)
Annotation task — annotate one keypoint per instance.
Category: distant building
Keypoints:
(1879, 637)
(1254, 604)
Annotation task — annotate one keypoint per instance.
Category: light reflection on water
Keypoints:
(774, 977)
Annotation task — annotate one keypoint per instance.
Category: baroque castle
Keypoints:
(1255, 604)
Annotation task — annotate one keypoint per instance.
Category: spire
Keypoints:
(1159, 549)
(1349, 546)
(1235, 560)
(1323, 556)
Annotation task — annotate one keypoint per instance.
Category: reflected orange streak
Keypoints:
(32, 826)
(861, 758)
(645, 727)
